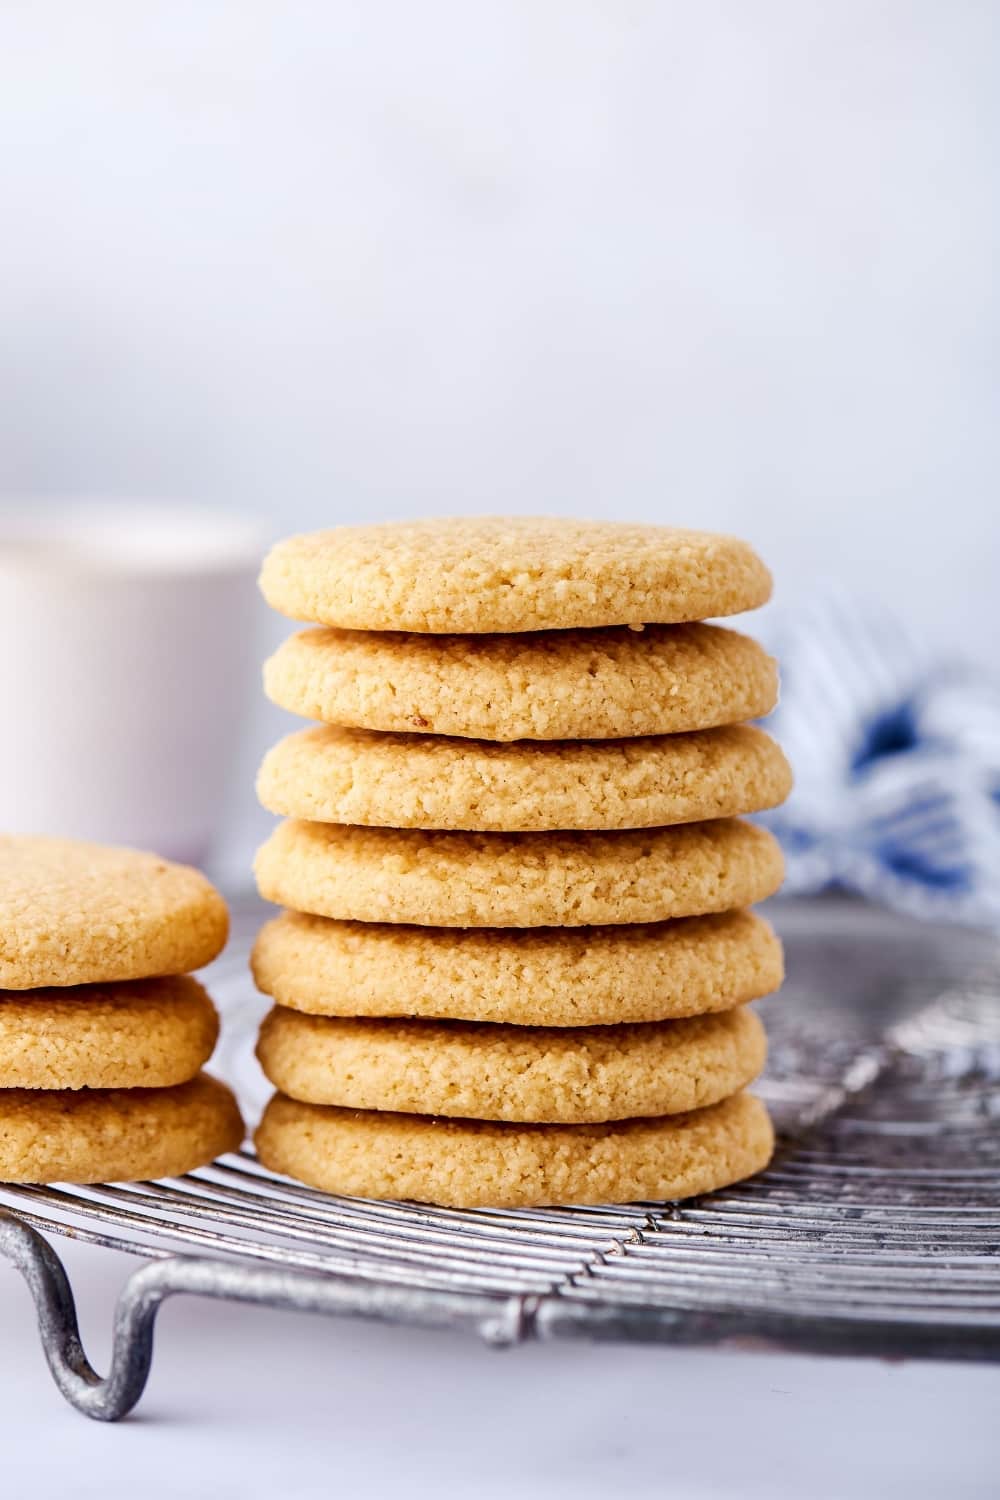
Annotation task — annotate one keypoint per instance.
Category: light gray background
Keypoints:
(729, 265)
(724, 264)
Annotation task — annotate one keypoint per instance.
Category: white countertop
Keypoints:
(245, 1402)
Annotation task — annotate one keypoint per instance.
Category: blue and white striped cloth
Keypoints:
(896, 757)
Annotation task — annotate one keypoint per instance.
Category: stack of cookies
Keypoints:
(516, 952)
(103, 1033)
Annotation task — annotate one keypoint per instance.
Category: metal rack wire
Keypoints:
(876, 1229)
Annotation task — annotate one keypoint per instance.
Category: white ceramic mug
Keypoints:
(127, 654)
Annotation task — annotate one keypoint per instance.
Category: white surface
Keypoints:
(246, 1402)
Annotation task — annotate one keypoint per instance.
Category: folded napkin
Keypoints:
(896, 753)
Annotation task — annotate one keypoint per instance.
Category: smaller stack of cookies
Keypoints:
(515, 960)
(103, 1033)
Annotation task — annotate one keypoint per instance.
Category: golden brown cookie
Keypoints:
(542, 976)
(149, 1033)
(335, 775)
(76, 913)
(510, 573)
(115, 1135)
(476, 1164)
(517, 879)
(539, 1074)
(557, 685)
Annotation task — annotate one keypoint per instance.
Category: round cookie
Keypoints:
(489, 1164)
(517, 879)
(517, 1073)
(542, 976)
(556, 685)
(510, 573)
(149, 1033)
(336, 775)
(77, 913)
(115, 1135)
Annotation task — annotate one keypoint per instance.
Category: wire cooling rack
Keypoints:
(876, 1229)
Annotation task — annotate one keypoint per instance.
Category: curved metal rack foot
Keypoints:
(876, 1230)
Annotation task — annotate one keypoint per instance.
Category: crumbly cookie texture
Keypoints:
(517, 879)
(510, 573)
(115, 1135)
(77, 913)
(335, 775)
(555, 685)
(543, 976)
(147, 1033)
(477, 1164)
(517, 1073)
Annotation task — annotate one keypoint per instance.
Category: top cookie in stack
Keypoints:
(519, 813)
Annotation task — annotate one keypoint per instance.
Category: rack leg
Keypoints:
(499, 1321)
(105, 1400)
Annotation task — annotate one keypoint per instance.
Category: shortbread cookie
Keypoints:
(542, 976)
(149, 1033)
(519, 1073)
(510, 573)
(333, 775)
(476, 1164)
(517, 879)
(76, 913)
(115, 1135)
(557, 685)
